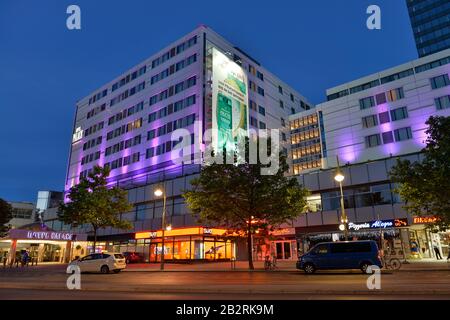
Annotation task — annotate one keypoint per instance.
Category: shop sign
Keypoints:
(40, 235)
(424, 220)
(378, 224)
(283, 231)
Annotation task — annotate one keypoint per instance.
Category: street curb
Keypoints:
(250, 291)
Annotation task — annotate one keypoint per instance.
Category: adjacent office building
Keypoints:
(23, 213)
(198, 82)
(368, 124)
(430, 21)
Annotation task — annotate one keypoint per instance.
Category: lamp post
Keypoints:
(339, 177)
(158, 193)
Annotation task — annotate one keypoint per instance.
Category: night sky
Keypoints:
(45, 68)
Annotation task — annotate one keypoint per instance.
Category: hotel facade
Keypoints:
(127, 125)
(368, 124)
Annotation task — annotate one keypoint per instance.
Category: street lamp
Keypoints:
(158, 193)
(339, 177)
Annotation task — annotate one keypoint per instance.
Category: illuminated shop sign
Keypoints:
(378, 224)
(229, 102)
(45, 235)
(78, 135)
(283, 231)
(423, 220)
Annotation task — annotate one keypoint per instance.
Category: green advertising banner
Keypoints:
(230, 102)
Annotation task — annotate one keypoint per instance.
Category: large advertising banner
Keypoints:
(229, 102)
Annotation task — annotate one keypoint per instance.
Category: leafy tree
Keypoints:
(238, 197)
(5, 216)
(425, 186)
(92, 202)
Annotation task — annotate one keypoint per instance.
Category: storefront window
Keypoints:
(182, 248)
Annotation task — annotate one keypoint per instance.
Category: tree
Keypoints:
(92, 202)
(425, 186)
(5, 216)
(238, 197)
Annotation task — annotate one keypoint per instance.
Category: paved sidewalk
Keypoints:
(289, 266)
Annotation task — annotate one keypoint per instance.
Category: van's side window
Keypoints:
(322, 249)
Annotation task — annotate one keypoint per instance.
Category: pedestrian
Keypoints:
(25, 256)
(436, 250)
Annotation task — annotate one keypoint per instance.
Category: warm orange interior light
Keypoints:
(180, 232)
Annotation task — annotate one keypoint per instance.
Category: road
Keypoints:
(49, 282)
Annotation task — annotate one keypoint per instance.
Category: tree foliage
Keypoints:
(238, 197)
(425, 186)
(92, 202)
(5, 216)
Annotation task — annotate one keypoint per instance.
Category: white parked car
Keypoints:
(100, 262)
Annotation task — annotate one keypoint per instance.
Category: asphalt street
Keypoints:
(49, 282)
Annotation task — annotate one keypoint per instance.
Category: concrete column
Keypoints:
(41, 252)
(12, 252)
(68, 252)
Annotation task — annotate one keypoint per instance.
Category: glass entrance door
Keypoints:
(283, 250)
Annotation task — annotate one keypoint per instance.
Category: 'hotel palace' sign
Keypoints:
(45, 235)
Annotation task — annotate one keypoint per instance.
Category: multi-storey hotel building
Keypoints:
(367, 124)
(127, 123)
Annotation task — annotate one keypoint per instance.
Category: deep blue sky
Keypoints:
(45, 68)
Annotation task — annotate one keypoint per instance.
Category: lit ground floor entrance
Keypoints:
(179, 245)
(285, 250)
(37, 243)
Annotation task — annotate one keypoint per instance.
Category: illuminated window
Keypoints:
(395, 94)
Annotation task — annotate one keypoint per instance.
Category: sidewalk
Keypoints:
(426, 265)
(287, 266)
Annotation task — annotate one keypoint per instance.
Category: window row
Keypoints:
(364, 196)
(171, 108)
(126, 113)
(388, 137)
(432, 65)
(164, 147)
(96, 111)
(304, 122)
(392, 95)
(127, 93)
(171, 126)
(117, 163)
(395, 114)
(91, 143)
(123, 145)
(174, 51)
(90, 157)
(173, 68)
(393, 77)
(298, 168)
(129, 77)
(124, 128)
(172, 90)
(94, 128)
(305, 135)
(98, 96)
(304, 151)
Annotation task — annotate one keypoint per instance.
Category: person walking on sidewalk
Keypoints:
(436, 250)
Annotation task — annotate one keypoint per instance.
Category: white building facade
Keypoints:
(368, 124)
(127, 125)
